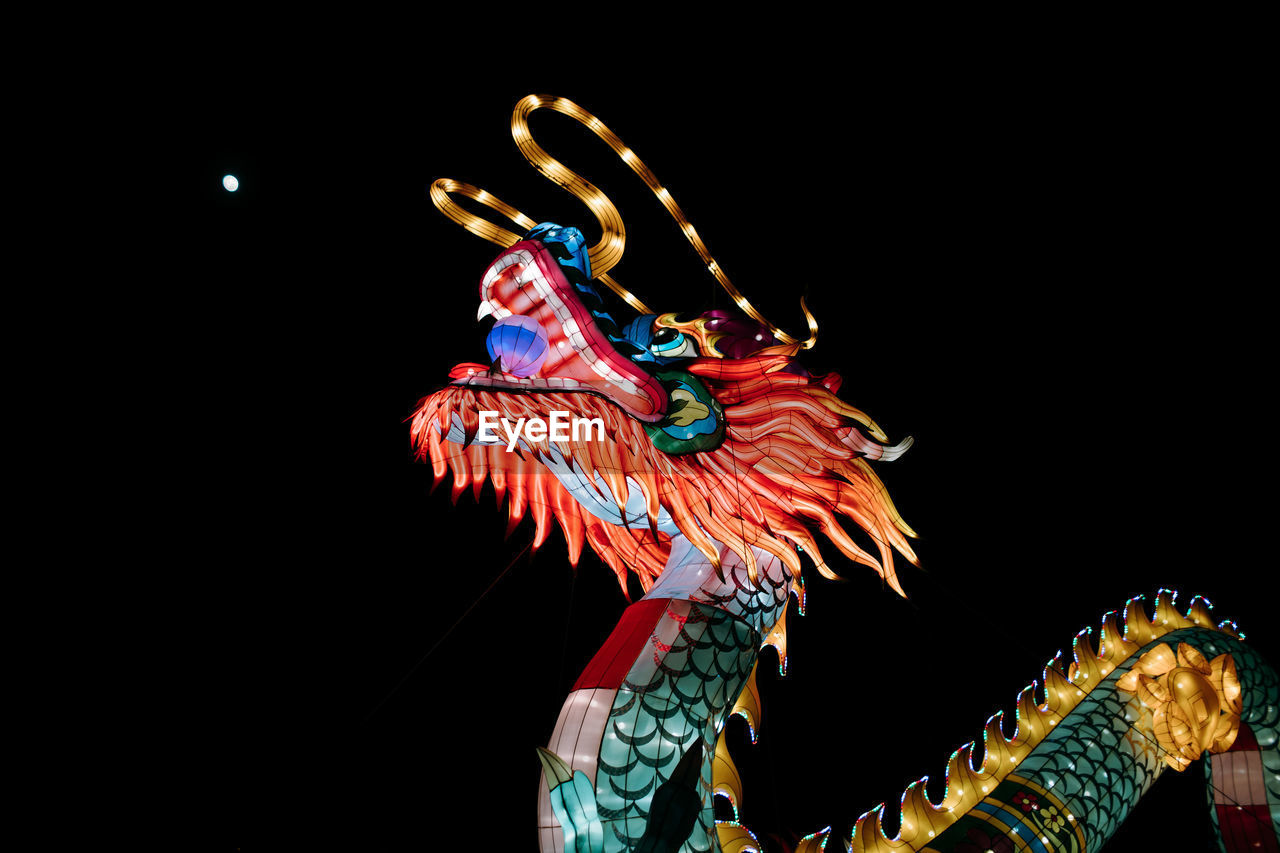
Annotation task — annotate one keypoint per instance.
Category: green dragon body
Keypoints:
(1083, 754)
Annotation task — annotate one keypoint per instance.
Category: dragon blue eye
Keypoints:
(665, 339)
(672, 344)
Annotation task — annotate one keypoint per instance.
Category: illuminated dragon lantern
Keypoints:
(697, 453)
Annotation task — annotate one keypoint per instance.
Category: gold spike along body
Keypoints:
(736, 838)
(725, 780)
(748, 704)
(1200, 703)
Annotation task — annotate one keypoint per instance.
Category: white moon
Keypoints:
(231, 183)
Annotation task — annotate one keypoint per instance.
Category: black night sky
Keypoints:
(1038, 279)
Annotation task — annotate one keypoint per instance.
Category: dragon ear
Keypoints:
(694, 421)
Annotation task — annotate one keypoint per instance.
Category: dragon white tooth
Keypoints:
(486, 308)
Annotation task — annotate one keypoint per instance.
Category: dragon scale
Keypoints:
(1090, 750)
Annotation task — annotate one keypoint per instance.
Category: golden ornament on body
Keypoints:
(1195, 703)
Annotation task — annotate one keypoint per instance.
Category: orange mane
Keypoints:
(793, 461)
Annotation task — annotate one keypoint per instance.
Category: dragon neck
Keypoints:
(658, 694)
(760, 602)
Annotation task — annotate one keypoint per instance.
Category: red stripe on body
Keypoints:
(1247, 829)
(1244, 816)
(614, 660)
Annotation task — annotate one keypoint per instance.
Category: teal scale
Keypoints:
(1100, 760)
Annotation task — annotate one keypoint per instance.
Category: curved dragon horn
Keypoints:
(606, 253)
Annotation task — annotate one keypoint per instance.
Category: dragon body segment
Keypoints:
(719, 466)
(1086, 750)
(662, 688)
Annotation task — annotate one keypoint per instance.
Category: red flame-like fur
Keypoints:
(793, 461)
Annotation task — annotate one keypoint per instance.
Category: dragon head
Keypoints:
(700, 426)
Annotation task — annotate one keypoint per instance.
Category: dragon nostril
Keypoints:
(520, 342)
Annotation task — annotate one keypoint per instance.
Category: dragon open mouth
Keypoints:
(547, 339)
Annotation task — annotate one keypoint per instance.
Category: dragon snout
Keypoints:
(550, 332)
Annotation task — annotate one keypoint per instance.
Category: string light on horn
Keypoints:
(608, 251)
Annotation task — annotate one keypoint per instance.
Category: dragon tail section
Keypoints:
(1160, 692)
